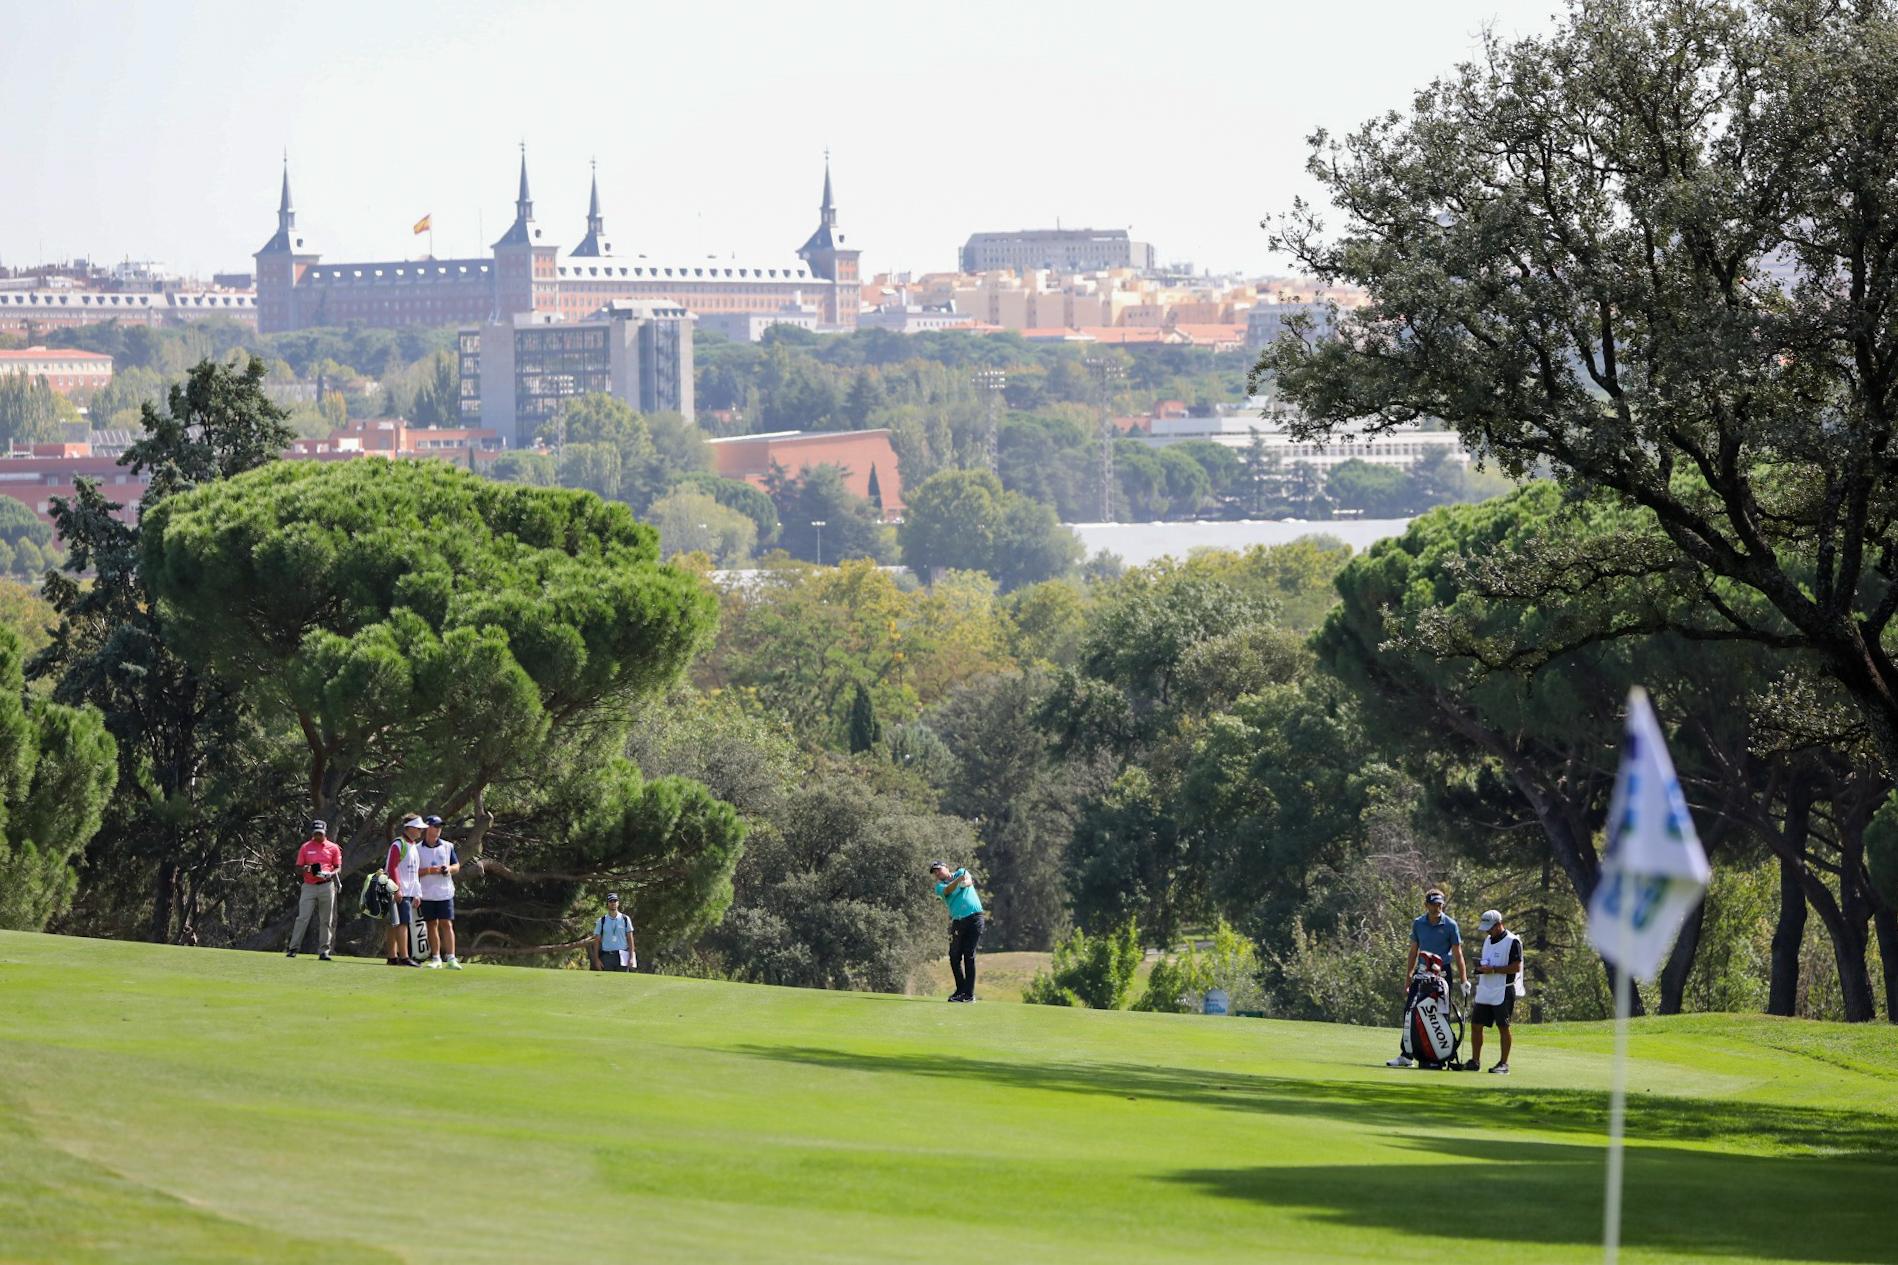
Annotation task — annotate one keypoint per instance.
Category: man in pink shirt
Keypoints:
(319, 863)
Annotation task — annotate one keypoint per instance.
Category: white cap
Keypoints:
(1489, 919)
(416, 822)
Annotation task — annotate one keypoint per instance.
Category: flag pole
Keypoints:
(1617, 1114)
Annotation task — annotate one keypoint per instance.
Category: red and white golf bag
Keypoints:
(1433, 1029)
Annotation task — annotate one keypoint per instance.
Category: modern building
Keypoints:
(862, 455)
(1401, 448)
(1266, 321)
(527, 273)
(64, 371)
(912, 319)
(750, 327)
(518, 372)
(1057, 249)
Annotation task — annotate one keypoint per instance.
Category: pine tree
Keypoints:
(876, 489)
(864, 727)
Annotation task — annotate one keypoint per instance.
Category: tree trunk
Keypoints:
(164, 900)
(1886, 921)
(1788, 934)
(1680, 963)
(1538, 975)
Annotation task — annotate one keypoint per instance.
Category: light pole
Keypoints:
(819, 524)
(1106, 372)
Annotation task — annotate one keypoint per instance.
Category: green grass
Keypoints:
(195, 1106)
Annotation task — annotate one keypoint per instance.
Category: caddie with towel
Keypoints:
(1498, 984)
(612, 940)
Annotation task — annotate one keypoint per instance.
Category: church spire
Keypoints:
(522, 232)
(596, 223)
(826, 237)
(285, 239)
(828, 210)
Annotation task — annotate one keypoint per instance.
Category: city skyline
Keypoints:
(709, 133)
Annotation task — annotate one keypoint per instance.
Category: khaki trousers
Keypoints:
(318, 899)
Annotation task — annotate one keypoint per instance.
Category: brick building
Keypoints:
(63, 370)
(857, 452)
(33, 312)
(529, 274)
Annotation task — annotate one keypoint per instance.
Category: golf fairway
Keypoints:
(165, 1104)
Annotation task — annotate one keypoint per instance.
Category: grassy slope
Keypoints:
(176, 1105)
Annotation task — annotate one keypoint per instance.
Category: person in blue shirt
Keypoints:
(611, 943)
(966, 919)
(1436, 932)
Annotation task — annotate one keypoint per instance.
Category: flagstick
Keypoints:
(1617, 1111)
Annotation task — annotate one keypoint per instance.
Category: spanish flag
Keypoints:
(422, 225)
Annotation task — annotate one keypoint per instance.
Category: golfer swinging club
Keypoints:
(957, 889)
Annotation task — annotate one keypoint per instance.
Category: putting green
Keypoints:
(163, 1104)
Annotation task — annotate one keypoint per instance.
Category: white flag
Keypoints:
(1653, 871)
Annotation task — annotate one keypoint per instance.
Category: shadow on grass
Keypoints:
(1410, 1100)
(1694, 1203)
(1822, 1193)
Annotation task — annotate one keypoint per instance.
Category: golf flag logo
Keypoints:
(422, 225)
(1653, 871)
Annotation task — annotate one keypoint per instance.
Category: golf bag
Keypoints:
(1433, 1027)
(418, 936)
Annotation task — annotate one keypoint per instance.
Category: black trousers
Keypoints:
(963, 934)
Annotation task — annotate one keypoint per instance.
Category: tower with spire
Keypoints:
(524, 265)
(594, 244)
(828, 259)
(280, 265)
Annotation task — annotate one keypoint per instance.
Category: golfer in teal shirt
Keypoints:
(966, 918)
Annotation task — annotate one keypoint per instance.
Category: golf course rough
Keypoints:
(165, 1104)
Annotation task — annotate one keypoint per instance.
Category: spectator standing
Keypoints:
(612, 939)
(1498, 984)
(1433, 931)
(966, 920)
(437, 863)
(403, 864)
(320, 864)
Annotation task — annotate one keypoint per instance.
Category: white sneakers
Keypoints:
(436, 964)
(1501, 1069)
(1399, 1061)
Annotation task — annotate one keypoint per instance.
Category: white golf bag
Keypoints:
(1433, 1027)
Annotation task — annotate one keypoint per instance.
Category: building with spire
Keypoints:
(528, 275)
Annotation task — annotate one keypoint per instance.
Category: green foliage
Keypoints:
(1179, 982)
(864, 729)
(1092, 971)
(736, 494)
(435, 637)
(831, 891)
(31, 412)
(851, 527)
(963, 520)
(1881, 850)
(57, 767)
(692, 522)
(603, 446)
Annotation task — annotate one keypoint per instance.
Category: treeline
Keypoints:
(1289, 742)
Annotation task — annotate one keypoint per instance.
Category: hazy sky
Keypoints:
(154, 129)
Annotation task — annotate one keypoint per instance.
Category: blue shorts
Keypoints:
(439, 910)
(402, 914)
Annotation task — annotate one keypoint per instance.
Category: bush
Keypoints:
(1178, 985)
(1092, 971)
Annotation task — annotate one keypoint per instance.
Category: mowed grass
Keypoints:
(162, 1104)
(1004, 976)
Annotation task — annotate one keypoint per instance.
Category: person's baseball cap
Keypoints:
(431, 820)
(1489, 919)
(416, 822)
(938, 865)
(612, 898)
(1433, 897)
(320, 826)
